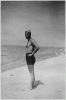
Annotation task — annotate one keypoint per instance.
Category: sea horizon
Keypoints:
(39, 46)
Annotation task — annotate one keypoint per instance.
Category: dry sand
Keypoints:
(49, 84)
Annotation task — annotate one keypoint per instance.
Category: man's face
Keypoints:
(27, 35)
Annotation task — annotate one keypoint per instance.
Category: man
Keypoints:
(31, 49)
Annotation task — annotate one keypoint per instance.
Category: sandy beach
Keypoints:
(49, 81)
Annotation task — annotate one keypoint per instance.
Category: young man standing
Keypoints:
(31, 49)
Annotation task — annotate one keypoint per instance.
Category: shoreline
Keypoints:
(13, 54)
(19, 63)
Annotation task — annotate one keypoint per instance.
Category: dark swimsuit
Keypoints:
(30, 60)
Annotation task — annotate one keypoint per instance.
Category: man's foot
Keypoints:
(31, 87)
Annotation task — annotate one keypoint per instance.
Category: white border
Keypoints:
(0, 46)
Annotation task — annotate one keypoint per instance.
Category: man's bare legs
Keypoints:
(32, 76)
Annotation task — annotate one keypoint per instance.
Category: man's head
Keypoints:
(28, 34)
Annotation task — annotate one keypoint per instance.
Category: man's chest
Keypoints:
(28, 44)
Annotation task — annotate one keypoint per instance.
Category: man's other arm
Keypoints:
(35, 45)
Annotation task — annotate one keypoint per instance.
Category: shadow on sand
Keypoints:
(37, 82)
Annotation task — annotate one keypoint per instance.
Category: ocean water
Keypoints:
(11, 54)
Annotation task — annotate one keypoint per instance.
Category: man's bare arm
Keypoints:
(36, 47)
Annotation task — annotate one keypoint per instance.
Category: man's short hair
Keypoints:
(28, 32)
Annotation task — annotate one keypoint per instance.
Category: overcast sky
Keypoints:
(45, 19)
